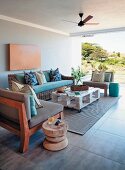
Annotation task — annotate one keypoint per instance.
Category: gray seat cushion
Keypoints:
(96, 84)
(49, 109)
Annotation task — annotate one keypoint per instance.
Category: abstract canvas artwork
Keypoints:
(24, 57)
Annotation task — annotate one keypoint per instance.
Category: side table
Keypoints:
(55, 136)
(114, 89)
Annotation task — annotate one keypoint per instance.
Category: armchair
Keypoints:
(15, 115)
(102, 85)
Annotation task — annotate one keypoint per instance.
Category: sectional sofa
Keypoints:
(43, 91)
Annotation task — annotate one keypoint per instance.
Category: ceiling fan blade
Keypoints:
(70, 21)
(87, 18)
(91, 23)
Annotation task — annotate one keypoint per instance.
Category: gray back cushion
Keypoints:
(48, 109)
(12, 113)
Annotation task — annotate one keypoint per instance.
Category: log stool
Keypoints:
(55, 136)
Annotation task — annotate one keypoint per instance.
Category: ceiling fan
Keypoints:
(83, 21)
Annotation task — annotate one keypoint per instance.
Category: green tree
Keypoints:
(99, 54)
(93, 52)
(87, 49)
(118, 54)
(113, 55)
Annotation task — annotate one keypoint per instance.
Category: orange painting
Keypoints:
(24, 57)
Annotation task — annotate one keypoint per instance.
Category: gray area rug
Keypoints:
(81, 122)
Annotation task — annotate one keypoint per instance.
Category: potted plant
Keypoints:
(77, 74)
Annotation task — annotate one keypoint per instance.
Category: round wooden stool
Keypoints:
(55, 136)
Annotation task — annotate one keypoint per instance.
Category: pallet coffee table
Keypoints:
(55, 136)
(76, 100)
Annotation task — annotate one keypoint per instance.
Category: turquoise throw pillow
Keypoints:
(47, 75)
(32, 106)
(20, 78)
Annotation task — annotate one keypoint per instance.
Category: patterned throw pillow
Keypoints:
(98, 76)
(30, 78)
(18, 87)
(40, 77)
(55, 75)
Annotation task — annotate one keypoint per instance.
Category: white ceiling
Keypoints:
(51, 13)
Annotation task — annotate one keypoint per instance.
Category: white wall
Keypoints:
(76, 51)
(56, 49)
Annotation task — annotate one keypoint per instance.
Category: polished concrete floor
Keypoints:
(101, 148)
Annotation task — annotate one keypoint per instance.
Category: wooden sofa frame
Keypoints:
(24, 132)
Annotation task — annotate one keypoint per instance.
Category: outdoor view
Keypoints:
(105, 52)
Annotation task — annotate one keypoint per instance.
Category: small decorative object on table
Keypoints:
(61, 89)
(58, 121)
(51, 120)
(77, 93)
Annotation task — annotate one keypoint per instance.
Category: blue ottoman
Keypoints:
(114, 89)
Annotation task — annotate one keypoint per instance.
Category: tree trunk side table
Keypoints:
(55, 136)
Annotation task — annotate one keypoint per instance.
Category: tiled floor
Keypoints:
(101, 148)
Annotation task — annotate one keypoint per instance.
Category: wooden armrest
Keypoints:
(23, 132)
(11, 103)
(21, 110)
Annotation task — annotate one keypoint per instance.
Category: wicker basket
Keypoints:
(79, 87)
